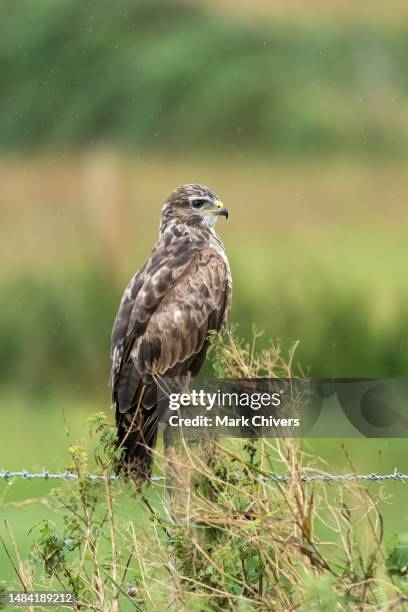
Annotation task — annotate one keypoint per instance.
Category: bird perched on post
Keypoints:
(161, 330)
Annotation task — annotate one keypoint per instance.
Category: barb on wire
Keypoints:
(324, 477)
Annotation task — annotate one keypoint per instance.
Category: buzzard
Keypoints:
(161, 330)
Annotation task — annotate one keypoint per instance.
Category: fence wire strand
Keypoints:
(324, 477)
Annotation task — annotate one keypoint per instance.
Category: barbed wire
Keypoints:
(47, 475)
(325, 477)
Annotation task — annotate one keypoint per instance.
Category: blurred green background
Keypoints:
(296, 115)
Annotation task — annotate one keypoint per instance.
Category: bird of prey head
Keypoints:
(192, 204)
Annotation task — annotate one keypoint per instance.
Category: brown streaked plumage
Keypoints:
(161, 330)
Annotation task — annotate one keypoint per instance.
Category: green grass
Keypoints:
(37, 437)
(36, 434)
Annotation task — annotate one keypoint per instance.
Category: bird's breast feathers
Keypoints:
(182, 292)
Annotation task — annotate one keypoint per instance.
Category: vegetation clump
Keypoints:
(220, 534)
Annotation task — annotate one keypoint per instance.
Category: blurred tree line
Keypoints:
(167, 75)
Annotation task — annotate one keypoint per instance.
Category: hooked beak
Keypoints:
(220, 209)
